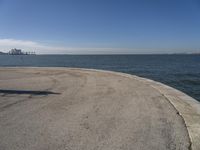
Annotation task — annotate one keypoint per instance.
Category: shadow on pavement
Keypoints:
(2, 91)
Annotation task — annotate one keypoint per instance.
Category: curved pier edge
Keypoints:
(187, 107)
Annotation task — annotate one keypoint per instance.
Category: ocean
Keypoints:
(179, 71)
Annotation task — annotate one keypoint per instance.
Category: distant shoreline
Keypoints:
(2, 53)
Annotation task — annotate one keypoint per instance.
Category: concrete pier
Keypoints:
(82, 109)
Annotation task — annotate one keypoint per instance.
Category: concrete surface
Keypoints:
(79, 109)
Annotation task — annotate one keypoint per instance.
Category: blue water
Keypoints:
(179, 71)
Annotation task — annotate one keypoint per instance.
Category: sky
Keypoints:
(100, 26)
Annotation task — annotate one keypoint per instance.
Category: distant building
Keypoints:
(19, 52)
(16, 52)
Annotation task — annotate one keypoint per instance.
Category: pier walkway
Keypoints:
(80, 109)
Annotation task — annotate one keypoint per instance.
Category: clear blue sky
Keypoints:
(102, 26)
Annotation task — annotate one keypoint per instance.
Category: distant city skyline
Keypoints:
(100, 26)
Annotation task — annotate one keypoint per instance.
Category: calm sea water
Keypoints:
(179, 71)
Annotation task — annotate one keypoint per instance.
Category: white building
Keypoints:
(16, 52)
